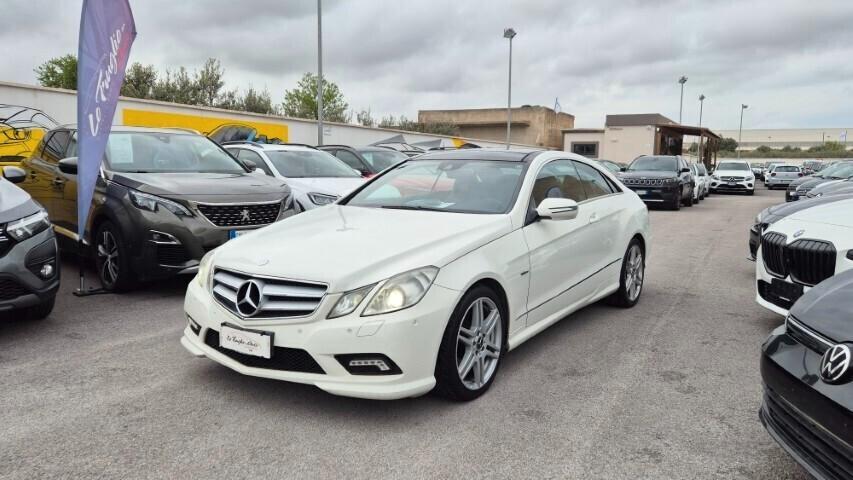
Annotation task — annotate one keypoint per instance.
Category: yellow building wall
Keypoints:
(204, 124)
(18, 143)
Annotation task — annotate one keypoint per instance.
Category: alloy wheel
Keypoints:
(634, 273)
(108, 253)
(479, 343)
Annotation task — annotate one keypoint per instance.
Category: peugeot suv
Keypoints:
(661, 179)
(164, 198)
(29, 272)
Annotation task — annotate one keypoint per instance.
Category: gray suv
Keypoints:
(29, 273)
(164, 198)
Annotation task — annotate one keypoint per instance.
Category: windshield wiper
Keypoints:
(408, 207)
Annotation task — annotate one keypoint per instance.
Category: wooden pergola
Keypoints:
(669, 140)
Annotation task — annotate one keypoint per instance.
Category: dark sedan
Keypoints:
(368, 161)
(807, 369)
(800, 188)
(660, 179)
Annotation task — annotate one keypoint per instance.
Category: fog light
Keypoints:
(196, 328)
(368, 364)
(380, 364)
(46, 270)
(165, 238)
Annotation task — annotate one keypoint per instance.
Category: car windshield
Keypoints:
(144, 152)
(462, 186)
(844, 170)
(702, 170)
(734, 166)
(831, 170)
(380, 160)
(654, 164)
(308, 164)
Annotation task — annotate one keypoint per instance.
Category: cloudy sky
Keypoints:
(790, 60)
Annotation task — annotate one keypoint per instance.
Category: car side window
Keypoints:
(594, 183)
(254, 157)
(558, 179)
(350, 159)
(54, 148)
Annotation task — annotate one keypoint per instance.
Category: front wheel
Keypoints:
(688, 202)
(111, 259)
(631, 277)
(472, 347)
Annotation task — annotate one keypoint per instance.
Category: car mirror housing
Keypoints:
(251, 165)
(558, 209)
(685, 170)
(14, 174)
(68, 165)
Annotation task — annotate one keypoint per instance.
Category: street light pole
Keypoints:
(319, 72)
(682, 81)
(701, 136)
(740, 129)
(510, 34)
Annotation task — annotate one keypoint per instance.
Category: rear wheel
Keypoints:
(631, 278)
(472, 347)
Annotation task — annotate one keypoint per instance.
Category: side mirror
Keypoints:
(251, 165)
(14, 174)
(685, 170)
(68, 165)
(558, 209)
(623, 169)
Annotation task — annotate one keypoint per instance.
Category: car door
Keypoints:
(606, 207)
(65, 208)
(354, 162)
(560, 250)
(44, 183)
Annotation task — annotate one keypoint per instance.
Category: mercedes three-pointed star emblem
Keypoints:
(249, 298)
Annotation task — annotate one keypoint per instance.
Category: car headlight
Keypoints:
(151, 203)
(28, 226)
(715, 177)
(401, 291)
(205, 270)
(322, 199)
(349, 301)
(750, 179)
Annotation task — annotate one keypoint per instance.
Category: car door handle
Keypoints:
(33, 174)
(58, 181)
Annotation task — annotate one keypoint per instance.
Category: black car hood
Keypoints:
(14, 202)
(647, 174)
(778, 212)
(828, 308)
(197, 185)
(802, 180)
(838, 188)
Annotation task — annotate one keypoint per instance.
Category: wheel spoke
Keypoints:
(490, 322)
(466, 364)
(477, 315)
(491, 350)
(478, 370)
(466, 336)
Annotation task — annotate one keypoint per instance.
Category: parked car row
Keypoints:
(836, 172)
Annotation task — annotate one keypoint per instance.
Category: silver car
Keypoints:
(782, 176)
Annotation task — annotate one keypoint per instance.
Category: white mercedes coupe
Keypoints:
(424, 277)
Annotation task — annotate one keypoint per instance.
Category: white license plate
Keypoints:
(732, 184)
(641, 192)
(258, 344)
(232, 234)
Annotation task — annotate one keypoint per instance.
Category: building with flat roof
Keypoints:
(531, 125)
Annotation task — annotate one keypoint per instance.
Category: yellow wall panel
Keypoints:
(203, 123)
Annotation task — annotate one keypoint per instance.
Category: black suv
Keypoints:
(164, 198)
(367, 160)
(660, 179)
(29, 272)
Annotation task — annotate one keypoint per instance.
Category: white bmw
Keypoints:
(424, 277)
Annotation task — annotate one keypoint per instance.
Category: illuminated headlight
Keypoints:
(152, 203)
(28, 226)
(401, 291)
(205, 269)
(349, 301)
(322, 199)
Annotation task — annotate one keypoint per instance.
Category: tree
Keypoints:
(209, 82)
(764, 149)
(139, 81)
(258, 102)
(693, 148)
(403, 123)
(832, 146)
(301, 102)
(365, 118)
(230, 100)
(728, 144)
(58, 72)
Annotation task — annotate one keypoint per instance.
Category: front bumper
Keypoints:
(410, 338)
(810, 419)
(657, 193)
(20, 287)
(721, 186)
(778, 296)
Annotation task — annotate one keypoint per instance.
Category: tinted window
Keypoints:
(166, 153)
(737, 166)
(558, 179)
(655, 164)
(594, 183)
(384, 159)
(308, 163)
(586, 149)
(54, 148)
(254, 157)
(350, 159)
(787, 169)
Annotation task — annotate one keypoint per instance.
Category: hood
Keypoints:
(732, 173)
(813, 182)
(203, 186)
(834, 213)
(350, 247)
(828, 308)
(843, 186)
(14, 202)
(338, 186)
(802, 180)
(777, 212)
(647, 174)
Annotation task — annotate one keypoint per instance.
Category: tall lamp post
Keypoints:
(740, 128)
(701, 136)
(319, 72)
(682, 81)
(510, 34)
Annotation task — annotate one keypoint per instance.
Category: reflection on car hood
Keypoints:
(647, 174)
(337, 186)
(833, 213)
(14, 202)
(349, 247)
(828, 308)
(196, 185)
(778, 212)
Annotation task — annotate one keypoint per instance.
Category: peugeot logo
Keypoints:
(799, 233)
(244, 215)
(835, 365)
(249, 298)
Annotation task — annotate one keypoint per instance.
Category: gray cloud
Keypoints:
(790, 60)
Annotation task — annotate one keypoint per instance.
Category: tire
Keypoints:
(688, 202)
(111, 259)
(631, 277)
(478, 352)
(40, 311)
(676, 204)
(750, 192)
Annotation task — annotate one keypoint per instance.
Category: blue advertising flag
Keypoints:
(107, 31)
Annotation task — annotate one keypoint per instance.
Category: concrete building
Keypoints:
(625, 137)
(803, 138)
(531, 125)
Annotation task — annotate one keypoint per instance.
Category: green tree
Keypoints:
(832, 146)
(301, 102)
(728, 144)
(230, 100)
(257, 102)
(58, 72)
(764, 149)
(139, 81)
(365, 118)
(403, 123)
(208, 82)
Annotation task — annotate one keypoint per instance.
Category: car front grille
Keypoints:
(806, 336)
(802, 191)
(279, 298)
(811, 261)
(282, 358)
(168, 254)
(780, 293)
(245, 215)
(11, 289)
(644, 181)
(732, 179)
(773, 254)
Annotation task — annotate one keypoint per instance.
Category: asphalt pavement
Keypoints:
(668, 389)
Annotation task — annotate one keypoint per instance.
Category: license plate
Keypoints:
(786, 291)
(232, 234)
(732, 184)
(641, 192)
(248, 342)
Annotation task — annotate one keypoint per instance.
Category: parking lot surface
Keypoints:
(669, 389)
